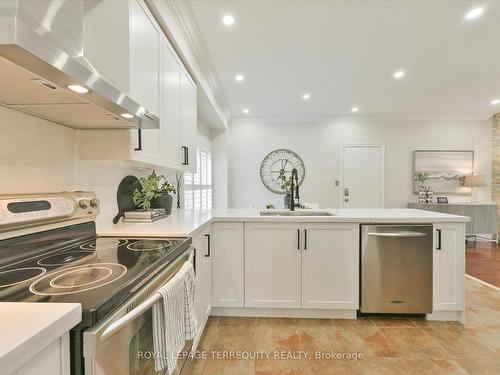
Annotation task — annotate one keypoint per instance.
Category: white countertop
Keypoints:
(28, 327)
(188, 222)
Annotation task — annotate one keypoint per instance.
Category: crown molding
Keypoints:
(179, 24)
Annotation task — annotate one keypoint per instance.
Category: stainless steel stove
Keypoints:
(49, 252)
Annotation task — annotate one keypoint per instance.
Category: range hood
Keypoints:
(41, 54)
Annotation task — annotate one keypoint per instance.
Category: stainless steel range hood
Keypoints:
(41, 49)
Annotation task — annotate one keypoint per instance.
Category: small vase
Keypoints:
(287, 200)
(163, 201)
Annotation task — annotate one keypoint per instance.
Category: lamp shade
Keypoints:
(474, 181)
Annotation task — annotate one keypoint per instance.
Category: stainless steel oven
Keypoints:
(123, 342)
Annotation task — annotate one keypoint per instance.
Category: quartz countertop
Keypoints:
(182, 223)
(28, 327)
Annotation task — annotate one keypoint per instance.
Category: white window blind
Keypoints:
(198, 185)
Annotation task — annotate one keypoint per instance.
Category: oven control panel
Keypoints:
(18, 210)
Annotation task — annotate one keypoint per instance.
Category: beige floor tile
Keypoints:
(481, 366)
(229, 367)
(281, 367)
(411, 343)
(390, 322)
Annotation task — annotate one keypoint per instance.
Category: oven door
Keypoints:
(129, 349)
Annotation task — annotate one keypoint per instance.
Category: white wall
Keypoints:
(319, 147)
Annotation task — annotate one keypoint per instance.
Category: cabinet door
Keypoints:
(200, 289)
(272, 265)
(448, 266)
(188, 122)
(330, 266)
(227, 264)
(170, 118)
(144, 57)
(207, 273)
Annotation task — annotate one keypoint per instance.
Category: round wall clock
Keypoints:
(277, 164)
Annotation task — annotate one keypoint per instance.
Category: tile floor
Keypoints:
(388, 345)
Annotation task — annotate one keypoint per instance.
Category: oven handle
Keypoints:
(143, 307)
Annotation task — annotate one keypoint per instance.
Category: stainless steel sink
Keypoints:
(295, 213)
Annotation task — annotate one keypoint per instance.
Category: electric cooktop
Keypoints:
(73, 265)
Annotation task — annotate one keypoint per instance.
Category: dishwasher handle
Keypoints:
(398, 234)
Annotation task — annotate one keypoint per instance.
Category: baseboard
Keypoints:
(458, 316)
(284, 313)
(483, 282)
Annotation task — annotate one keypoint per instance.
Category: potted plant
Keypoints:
(154, 192)
(286, 184)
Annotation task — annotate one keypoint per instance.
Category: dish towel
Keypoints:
(174, 320)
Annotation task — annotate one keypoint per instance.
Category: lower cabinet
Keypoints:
(448, 267)
(272, 265)
(304, 265)
(227, 264)
(330, 263)
(203, 267)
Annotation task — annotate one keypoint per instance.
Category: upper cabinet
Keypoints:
(121, 41)
(188, 122)
(126, 45)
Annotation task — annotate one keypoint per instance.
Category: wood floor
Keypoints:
(483, 261)
(389, 346)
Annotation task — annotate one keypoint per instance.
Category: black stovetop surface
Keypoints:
(73, 265)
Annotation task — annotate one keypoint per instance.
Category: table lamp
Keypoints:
(474, 182)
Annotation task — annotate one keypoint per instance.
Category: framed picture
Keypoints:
(442, 171)
(442, 199)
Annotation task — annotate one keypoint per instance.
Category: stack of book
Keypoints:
(144, 215)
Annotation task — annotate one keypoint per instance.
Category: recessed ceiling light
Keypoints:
(399, 74)
(239, 77)
(246, 111)
(495, 101)
(306, 96)
(474, 13)
(127, 115)
(354, 109)
(228, 20)
(78, 88)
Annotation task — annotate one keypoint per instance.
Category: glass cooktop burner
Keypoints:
(78, 279)
(149, 245)
(66, 258)
(103, 243)
(19, 275)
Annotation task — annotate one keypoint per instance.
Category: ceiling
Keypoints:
(344, 54)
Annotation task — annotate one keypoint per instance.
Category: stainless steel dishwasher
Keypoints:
(396, 269)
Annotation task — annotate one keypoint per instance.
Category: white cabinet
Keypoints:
(170, 115)
(188, 122)
(272, 265)
(122, 42)
(144, 60)
(448, 267)
(203, 290)
(302, 265)
(330, 264)
(227, 264)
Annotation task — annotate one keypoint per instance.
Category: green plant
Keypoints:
(151, 187)
(286, 184)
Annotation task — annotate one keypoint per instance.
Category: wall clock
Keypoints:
(280, 163)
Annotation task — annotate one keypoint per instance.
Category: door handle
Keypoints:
(139, 140)
(438, 231)
(185, 151)
(305, 239)
(298, 239)
(207, 255)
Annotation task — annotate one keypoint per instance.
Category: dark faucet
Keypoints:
(294, 185)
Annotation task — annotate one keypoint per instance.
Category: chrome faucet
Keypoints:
(294, 185)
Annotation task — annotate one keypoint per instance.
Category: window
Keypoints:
(198, 186)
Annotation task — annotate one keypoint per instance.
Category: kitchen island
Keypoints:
(263, 264)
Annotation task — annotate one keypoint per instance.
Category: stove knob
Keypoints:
(84, 203)
(94, 202)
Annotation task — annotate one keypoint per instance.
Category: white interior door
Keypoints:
(362, 176)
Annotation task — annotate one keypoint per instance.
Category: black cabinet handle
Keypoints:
(185, 151)
(139, 140)
(438, 231)
(194, 259)
(207, 255)
(298, 239)
(305, 239)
